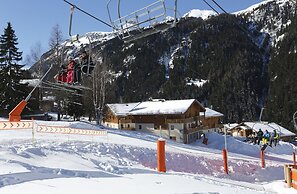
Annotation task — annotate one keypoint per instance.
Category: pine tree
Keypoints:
(11, 91)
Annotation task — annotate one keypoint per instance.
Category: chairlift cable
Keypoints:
(220, 7)
(107, 24)
(211, 7)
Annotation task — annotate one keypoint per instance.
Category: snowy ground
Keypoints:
(125, 162)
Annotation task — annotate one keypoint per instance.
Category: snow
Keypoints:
(30, 82)
(253, 7)
(204, 14)
(272, 24)
(125, 162)
(211, 113)
(122, 109)
(198, 82)
(154, 106)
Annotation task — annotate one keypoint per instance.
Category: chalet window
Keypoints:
(122, 126)
(128, 126)
(172, 127)
(139, 127)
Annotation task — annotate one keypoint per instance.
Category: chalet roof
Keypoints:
(231, 125)
(211, 113)
(269, 127)
(156, 107)
(153, 107)
(122, 109)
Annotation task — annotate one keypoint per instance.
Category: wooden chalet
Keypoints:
(246, 129)
(180, 120)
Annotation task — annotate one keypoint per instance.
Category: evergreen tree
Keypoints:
(11, 91)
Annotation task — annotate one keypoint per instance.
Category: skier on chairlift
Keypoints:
(86, 62)
(61, 77)
(70, 70)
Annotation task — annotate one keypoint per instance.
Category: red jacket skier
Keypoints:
(70, 70)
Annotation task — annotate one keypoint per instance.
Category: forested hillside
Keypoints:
(236, 64)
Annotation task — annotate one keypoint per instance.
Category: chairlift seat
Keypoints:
(144, 22)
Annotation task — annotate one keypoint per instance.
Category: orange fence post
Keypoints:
(225, 161)
(293, 177)
(262, 159)
(161, 163)
(294, 158)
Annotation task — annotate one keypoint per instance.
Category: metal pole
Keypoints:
(261, 114)
(40, 80)
(294, 120)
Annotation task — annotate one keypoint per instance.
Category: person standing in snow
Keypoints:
(205, 139)
(266, 137)
(259, 136)
(274, 138)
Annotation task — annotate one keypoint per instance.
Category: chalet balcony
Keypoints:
(124, 121)
(182, 120)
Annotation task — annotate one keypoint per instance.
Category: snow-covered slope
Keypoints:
(125, 162)
(271, 16)
(204, 14)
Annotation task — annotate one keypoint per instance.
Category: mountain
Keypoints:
(230, 56)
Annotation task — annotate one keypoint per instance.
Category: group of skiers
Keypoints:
(266, 138)
(71, 73)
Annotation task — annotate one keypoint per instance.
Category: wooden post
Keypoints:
(33, 131)
(161, 162)
(262, 159)
(225, 161)
(294, 158)
(288, 177)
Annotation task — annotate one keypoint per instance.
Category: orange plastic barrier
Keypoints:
(6, 125)
(294, 178)
(67, 130)
(262, 159)
(161, 163)
(225, 161)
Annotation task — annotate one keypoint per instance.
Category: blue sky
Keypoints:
(33, 20)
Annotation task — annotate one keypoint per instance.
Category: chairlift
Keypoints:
(143, 22)
(85, 64)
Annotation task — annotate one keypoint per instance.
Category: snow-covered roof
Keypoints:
(122, 109)
(269, 127)
(162, 107)
(231, 125)
(30, 82)
(153, 107)
(211, 113)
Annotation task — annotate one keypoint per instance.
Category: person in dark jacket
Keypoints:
(259, 136)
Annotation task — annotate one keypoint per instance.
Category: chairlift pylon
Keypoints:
(295, 120)
(143, 22)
